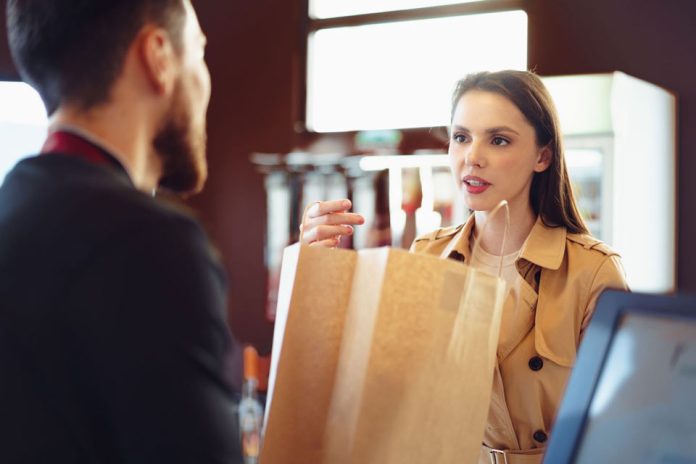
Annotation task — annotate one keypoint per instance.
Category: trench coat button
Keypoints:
(536, 363)
(540, 436)
(457, 256)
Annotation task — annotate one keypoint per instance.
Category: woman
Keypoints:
(505, 144)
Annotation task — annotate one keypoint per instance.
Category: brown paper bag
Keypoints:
(385, 357)
(315, 285)
(415, 371)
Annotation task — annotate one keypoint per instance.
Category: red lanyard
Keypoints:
(67, 143)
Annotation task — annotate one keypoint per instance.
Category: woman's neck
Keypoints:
(491, 236)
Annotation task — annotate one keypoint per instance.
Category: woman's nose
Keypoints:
(474, 155)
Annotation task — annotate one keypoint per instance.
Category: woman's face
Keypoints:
(493, 151)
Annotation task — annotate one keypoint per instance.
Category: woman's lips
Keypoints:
(475, 185)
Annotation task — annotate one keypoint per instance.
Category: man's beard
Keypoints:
(181, 149)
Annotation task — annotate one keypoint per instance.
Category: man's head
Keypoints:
(75, 53)
(72, 51)
(181, 139)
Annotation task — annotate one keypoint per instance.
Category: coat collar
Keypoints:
(545, 246)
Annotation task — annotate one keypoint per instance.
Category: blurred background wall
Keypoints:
(255, 58)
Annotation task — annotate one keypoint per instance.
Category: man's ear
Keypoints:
(158, 59)
(543, 159)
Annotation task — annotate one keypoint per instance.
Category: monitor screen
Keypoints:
(631, 396)
(644, 406)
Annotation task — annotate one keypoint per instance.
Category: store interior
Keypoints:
(257, 56)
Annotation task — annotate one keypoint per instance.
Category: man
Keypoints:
(112, 307)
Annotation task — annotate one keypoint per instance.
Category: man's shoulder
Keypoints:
(65, 183)
(86, 206)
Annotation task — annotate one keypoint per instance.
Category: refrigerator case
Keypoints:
(620, 139)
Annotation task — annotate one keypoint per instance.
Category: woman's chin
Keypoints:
(480, 204)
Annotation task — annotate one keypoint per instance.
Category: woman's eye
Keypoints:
(459, 138)
(500, 141)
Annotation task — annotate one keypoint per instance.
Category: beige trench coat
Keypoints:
(563, 274)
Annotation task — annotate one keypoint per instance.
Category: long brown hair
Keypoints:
(551, 194)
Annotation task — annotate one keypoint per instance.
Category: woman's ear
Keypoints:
(544, 157)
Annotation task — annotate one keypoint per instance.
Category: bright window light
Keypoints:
(334, 8)
(401, 75)
(21, 104)
(23, 124)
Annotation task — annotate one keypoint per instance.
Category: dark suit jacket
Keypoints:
(112, 324)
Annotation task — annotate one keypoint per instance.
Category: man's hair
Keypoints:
(72, 51)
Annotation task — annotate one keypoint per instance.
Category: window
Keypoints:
(23, 124)
(397, 69)
(336, 8)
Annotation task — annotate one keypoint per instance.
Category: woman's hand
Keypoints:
(327, 221)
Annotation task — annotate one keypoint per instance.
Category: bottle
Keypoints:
(250, 409)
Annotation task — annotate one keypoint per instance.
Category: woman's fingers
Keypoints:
(327, 221)
(335, 219)
(322, 208)
(323, 232)
(328, 243)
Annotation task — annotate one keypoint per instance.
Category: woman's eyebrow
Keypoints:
(493, 130)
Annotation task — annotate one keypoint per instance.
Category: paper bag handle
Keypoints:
(477, 245)
(506, 231)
